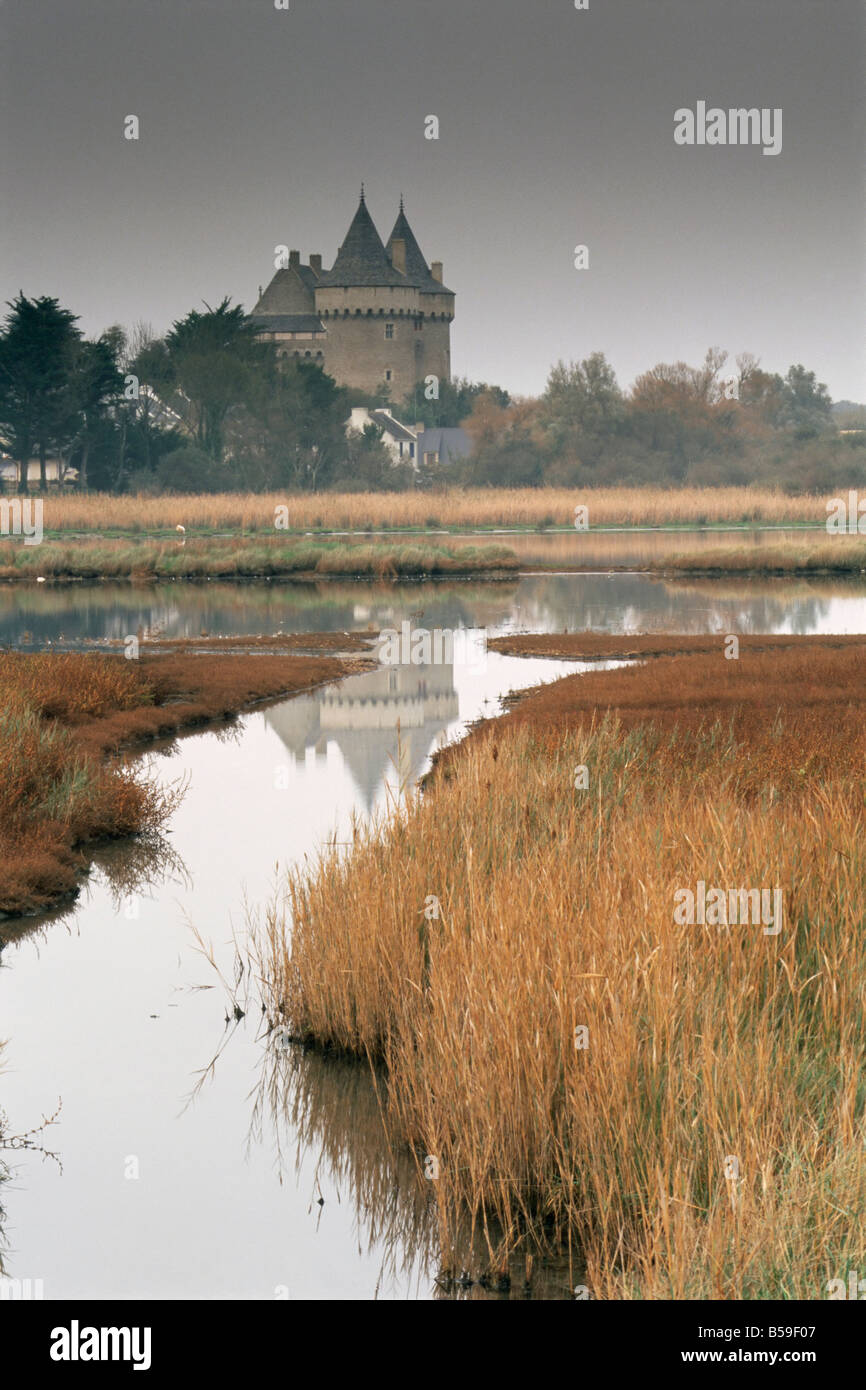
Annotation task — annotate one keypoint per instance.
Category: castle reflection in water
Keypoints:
(361, 716)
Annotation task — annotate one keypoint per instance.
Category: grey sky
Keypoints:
(258, 125)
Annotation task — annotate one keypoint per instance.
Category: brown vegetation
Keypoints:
(61, 714)
(301, 643)
(244, 558)
(607, 646)
(251, 513)
(830, 555)
(708, 1140)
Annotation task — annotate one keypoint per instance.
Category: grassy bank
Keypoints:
(456, 507)
(830, 555)
(250, 559)
(607, 646)
(63, 720)
(704, 1136)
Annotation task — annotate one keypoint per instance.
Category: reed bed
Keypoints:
(54, 795)
(845, 554)
(248, 513)
(705, 1137)
(610, 646)
(64, 718)
(201, 558)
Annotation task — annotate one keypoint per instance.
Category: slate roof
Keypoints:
(290, 292)
(417, 270)
(288, 323)
(449, 444)
(362, 258)
(392, 426)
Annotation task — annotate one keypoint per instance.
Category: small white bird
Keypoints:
(181, 529)
(40, 579)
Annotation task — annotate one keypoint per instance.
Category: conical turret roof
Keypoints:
(362, 258)
(417, 270)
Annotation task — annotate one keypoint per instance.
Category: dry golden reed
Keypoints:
(708, 1141)
(246, 513)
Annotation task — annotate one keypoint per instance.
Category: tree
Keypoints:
(684, 412)
(581, 408)
(37, 407)
(212, 361)
(453, 405)
(189, 469)
(806, 405)
(95, 384)
(293, 430)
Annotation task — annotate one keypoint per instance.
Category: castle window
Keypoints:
(389, 330)
(387, 373)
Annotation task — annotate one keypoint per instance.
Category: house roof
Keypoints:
(417, 270)
(447, 443)
(290, 292)
(391, 426)
(362, 258)
(288, 323)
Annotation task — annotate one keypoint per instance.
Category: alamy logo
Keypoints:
(729, 907)
(856, 1288)
(440, 647)
(20, 1290)
(847, 520)
(738, 126)
(22, 518)
(75, 1343)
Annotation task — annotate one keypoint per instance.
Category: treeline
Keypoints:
(720, 424)
(209, 408)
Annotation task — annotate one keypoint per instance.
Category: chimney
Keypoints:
(420, 427)
(398, 254)
(294, 259)
(316, 265)
(436, 270)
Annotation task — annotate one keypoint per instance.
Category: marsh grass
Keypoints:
(65, 719)
(250, 513)
(556, 911)
(55, 796)
(827, 555)
(244, 558)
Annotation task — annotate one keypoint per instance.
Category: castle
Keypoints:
(379, 319)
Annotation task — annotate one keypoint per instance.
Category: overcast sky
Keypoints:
(556, 128)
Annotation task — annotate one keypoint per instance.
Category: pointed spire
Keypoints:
(417, 270)
(362, 258)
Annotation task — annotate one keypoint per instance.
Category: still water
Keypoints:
(191, 1159)
(81, 615)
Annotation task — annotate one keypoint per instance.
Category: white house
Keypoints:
(413, 444)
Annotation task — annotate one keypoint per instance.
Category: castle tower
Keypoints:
(380, 315)
(432, 344)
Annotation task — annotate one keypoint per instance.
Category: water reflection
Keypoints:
(88, 615)
(308, 1102)
(107, 1008)
(361, 715)
(115, 1011)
